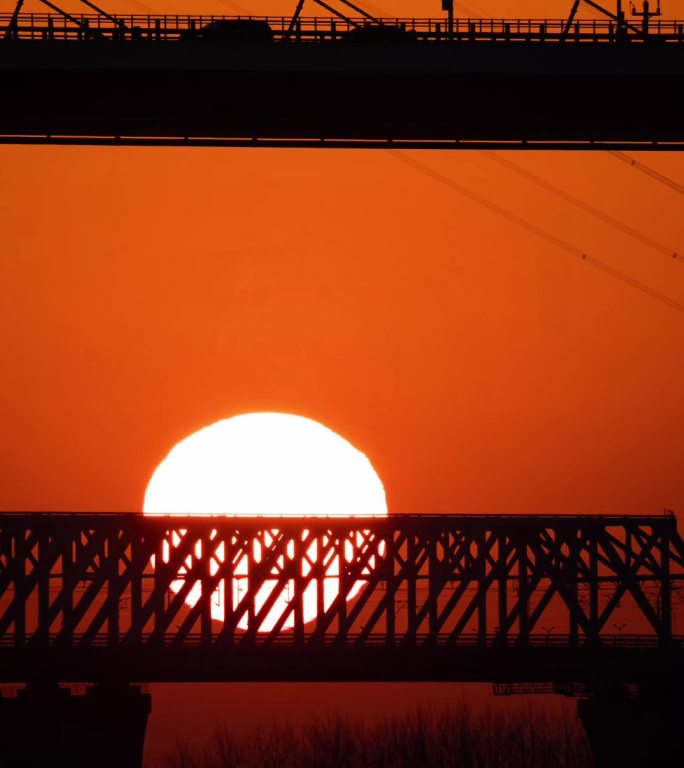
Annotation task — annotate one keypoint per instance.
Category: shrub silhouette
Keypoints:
(453, 738)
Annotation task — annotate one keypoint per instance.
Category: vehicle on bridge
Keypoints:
(232, 30)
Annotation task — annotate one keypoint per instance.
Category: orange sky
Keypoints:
(149, 292)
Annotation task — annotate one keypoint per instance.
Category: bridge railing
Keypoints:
(625, 642)
(45, 26)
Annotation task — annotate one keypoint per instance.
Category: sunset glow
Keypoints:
(268, 464)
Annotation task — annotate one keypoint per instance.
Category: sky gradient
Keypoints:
(147, 293)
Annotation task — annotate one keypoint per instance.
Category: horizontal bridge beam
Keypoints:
(433, 96)
(335, 663)
(447, 144)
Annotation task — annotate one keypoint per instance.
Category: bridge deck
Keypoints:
(540, 662)
(492, 82)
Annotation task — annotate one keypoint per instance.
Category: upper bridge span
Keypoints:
(520, 599)
(316, 82)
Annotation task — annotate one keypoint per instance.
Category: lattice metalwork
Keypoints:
(406, 580)
(556, 599)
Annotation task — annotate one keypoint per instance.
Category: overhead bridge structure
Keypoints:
(581, 605)
(318, 82)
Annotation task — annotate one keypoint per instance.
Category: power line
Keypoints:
(661, 177)
(538, 231)
(587, 207)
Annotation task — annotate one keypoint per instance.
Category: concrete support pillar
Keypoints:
(45, 725)
(642, 731)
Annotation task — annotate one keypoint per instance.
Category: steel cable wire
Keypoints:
(538, 231)
(639, 166)
(587, 207)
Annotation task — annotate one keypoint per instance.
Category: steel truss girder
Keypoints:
(127, 580)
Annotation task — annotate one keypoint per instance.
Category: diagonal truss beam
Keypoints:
(150, 581)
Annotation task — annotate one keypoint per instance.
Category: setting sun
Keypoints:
(268, 464)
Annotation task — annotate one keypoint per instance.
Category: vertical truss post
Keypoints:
(523, 589)
(411, 588)
(43, 566)
(343, 588)
(433, 591)
(206, 590)
(501, 565)
(593, 585)
(68, 585)
(448, 6)
(620, 21)
(19, 601)
(320, 579)
(160, 585)
(227, 634)
(137, 577)
(570, 576)
(299, 586)
(665, 631)
(253, 585)
(390, 588)
(111, 551)
(482, 588)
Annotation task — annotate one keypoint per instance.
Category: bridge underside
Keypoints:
(536, 664)
(474, 95)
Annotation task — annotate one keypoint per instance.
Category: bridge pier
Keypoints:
(47, 725)
(640, 731)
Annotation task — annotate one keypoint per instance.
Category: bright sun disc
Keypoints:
(268, 464)
(265, 464)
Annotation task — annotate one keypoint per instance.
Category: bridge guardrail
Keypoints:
(378, 640)
(156, 28)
